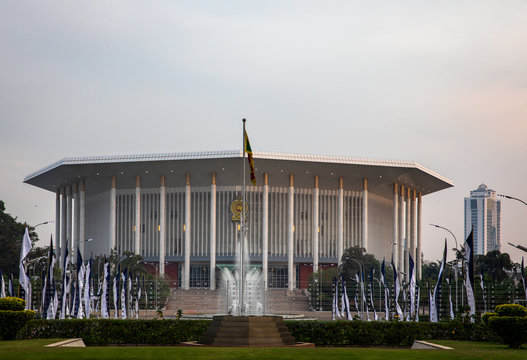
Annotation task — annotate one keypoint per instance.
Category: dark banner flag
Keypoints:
(383, 282)
(335, 308)
(412, 286)
(482, 285)
(105, 297)
(523, 280)
(48, 293)
(435, 303)
(469, 273)
(116, 283)
(64, 284)
(79, 314)
(345, 303)
(397, 287)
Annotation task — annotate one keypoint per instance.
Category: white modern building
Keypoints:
(176, 210)
(482, 214)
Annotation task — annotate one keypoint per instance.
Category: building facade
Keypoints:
(178, 211)
(482, 215)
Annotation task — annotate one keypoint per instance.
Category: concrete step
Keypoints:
(214, 301)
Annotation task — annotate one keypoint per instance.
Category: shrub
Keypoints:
(117, 332)
(509, 322)
(12, 321)
(384, 333)
(511, 329)
(511, 310)
(485, 317)
(12, 303)
(322, 333)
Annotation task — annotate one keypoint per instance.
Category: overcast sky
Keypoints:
(443, 83)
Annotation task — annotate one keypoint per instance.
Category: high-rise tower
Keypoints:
(482, 213)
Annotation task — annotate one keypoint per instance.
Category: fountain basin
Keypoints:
(227, 330)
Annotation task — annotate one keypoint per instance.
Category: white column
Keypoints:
(63, 224)
(365, 214)
(186, 267)
(112, 243)
(407, 231)
(212, 280)
(76, 241)
(413, 227)
(315, 224)
(82, 208)
(340, 222)
(290, 235)
(265, 229)
(60, 248)
(162, 225)
(400, 236)
(138, 227)
(69, 214)
(395, 248)
(419, 248)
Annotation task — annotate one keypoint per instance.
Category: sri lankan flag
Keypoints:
(248, 150)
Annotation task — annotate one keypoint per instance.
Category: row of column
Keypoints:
(265, 223)
(69, 221)
(407, 211)
(407, 237)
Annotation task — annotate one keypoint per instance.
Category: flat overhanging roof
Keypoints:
(381, 174)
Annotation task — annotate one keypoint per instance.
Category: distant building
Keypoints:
(482, 213)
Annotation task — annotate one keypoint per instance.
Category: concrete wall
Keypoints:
(97, 225)
(380, 226)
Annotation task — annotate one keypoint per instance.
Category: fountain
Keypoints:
(247, 297)
(246, 323)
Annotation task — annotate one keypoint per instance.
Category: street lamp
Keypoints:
(513, 198)
(523, 202)
(519, 247)
(444, 228)
(44, 223)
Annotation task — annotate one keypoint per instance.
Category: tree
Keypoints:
(351, 259)
(495, 264)
(11, 234)
(430, 271)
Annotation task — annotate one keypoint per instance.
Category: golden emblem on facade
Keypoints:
(237, 209)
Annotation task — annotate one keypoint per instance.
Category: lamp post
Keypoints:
(44, 223)
(455, 267)
(513, 198)
(523, 248)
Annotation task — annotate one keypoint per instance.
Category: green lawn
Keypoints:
(34, 349)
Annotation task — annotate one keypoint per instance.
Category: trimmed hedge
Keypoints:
(511, 310)
(511, 329)
(12, 321)
(322, 333)
(117, 332)
(382, 333)
(12, 303)
(509, 321)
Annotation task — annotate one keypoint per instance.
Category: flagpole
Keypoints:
(242, 239)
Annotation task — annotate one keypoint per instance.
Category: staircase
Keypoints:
(281, 301)
(247, 331)
(204, 301)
